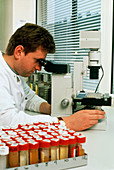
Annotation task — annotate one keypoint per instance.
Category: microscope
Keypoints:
(92, 100)
(67, 95)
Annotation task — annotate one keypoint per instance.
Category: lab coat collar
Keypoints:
(1, 54)
(9, 69)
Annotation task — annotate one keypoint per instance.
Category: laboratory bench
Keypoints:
(100, 145)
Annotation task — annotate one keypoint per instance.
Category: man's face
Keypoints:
(29, 63)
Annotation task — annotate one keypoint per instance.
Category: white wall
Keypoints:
(23, 11)
(14, 14)
(6, 22)
(106, 43)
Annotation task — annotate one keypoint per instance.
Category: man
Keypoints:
(26, 46)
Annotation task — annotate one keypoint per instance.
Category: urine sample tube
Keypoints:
(34, 152)
(45, 150)
(24, 153)
(4, 151)
(64, 142)
(54, 149)
(80, 140)
(72, 147)
(13, 155)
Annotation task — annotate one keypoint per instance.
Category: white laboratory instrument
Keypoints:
(66, 97)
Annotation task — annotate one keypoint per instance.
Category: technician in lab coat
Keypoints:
(26, 46)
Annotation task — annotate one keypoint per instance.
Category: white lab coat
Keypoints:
(15, 97)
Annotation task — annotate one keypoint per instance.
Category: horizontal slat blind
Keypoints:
(64, 20)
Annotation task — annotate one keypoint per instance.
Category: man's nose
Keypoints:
(38, 67)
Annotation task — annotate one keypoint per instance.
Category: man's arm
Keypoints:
(45, 108)
(35, 103)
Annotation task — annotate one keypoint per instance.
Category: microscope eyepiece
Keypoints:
(51, 66)
(42, 62)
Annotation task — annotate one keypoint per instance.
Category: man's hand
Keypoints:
(83, 119)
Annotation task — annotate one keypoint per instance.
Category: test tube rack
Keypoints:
(56, 165)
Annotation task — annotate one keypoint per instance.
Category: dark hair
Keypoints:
(31, 36)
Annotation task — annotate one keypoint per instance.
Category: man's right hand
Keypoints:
(83, 119)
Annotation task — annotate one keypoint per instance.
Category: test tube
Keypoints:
(4, 151)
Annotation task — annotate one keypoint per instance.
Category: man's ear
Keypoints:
(18, 52)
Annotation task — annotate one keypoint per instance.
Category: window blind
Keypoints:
(64, 20)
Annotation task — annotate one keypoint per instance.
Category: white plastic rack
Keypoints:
(56, 165)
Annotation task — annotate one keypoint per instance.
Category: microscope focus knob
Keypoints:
(64, 103)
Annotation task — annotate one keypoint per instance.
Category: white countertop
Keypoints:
(100, 145)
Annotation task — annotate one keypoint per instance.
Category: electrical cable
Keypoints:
(100, 79)
(89, 106)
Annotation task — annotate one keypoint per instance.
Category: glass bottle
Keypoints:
(45, 150)
(64, 142)
(80, 140)
(24, 153)
(13, 155)
(72, 147)
(34, 152)
(4, 151)
(54, 149)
